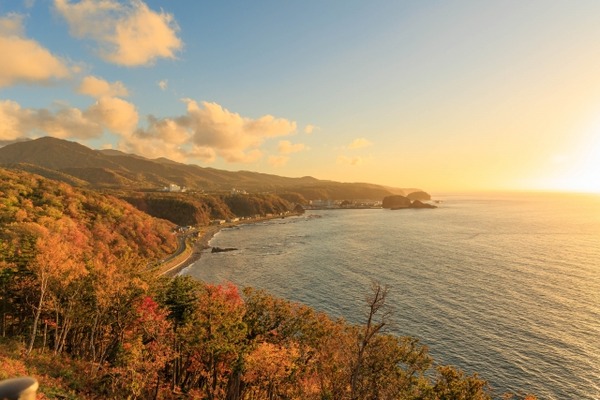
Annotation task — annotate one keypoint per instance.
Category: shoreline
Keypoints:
(205, 234)
(201, 243)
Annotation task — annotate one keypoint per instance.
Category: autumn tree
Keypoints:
(57, 263)
(453, 384)
(211, 340)
(144, 352)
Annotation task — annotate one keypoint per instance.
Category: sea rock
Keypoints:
(420, 204)
(222, 250)
(395, 202)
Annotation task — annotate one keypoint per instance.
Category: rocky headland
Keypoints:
(399, 202)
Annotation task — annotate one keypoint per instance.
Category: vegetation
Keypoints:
(82, 313)
(186, 209)
(182, 209)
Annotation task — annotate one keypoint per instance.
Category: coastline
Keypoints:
(204, 235)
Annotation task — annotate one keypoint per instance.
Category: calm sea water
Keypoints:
(505, 285)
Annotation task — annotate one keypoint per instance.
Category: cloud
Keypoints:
(25, 61)
(116, 115)
(208, 130)
(359, 144)
(350, 160)
(287, 147)
(12, 25)
(127, 33)
(96, 87)
(204, 132)
(163, 84)
(62, 121)
(229, 133)
(309, 129)
(278, 161)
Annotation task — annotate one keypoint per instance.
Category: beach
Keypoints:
(201, 242)
(203, 237)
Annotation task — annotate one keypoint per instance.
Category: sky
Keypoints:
(438, 95)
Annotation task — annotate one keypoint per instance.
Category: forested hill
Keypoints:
(81, 166)
(92, 228)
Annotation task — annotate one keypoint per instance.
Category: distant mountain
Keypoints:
(81, 166)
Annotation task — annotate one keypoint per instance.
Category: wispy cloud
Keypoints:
(309, 129)
(359, 144)
(350, 160)
(287, 147)
(163, 85)
(96, 87)
(26, 61)
(126, 33)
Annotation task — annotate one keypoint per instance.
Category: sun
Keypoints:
(580, 171)
(575, 167)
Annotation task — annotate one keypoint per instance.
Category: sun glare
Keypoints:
(581, 171)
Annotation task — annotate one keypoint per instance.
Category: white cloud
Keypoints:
(278, 161)
(208, 130)
(96, 87)
(359, 144)
(62, 121)
(163, 84)
(287, 147)
(10, 120)
(229, 133)
(127, 33)
(25, 61)
(116, 115)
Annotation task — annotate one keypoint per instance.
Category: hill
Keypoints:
(79, 165)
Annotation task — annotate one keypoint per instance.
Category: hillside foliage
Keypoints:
(186, 209)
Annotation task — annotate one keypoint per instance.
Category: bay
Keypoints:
(505, 285)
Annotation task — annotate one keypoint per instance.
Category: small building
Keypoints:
(173, 188)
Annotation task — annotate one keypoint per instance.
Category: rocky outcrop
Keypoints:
(398, 202)
(420, 204)
(222, 249)
(395, 202)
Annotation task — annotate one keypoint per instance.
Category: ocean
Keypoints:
(505, 285)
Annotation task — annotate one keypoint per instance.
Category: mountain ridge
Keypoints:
(77, 164)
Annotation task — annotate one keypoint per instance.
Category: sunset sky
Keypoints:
(440, 95)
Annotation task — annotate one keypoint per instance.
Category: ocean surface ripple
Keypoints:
(507, 286)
